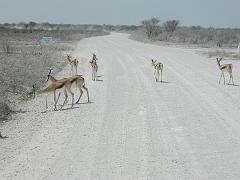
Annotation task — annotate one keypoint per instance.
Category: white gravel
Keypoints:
(185, 128)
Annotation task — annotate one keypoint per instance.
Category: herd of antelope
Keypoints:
(67, 82)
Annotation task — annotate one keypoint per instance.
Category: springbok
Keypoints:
(95, 59)
(94, 66)
(65, 83)
(225, 68)
(78, 79)
(158, 66)
(73, 63)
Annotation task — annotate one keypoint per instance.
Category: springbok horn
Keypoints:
(50, 71)
(34, 90)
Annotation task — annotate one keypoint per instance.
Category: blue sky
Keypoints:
(214, 13)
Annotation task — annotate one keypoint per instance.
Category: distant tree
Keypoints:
(45, 25)
(21, 24)
(26, 26)
(51, 26)
(151, 27)
(13, 24)
(196, 27)
(171, 26)
(6, 24)
(31, 25)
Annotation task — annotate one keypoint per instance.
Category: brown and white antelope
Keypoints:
(158, 66)
(66, 84)
(73, 63)
(50, 88)
(78, 79)
(94, 66)
(225, 68)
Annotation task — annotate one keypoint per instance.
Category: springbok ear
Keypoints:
(220, 59)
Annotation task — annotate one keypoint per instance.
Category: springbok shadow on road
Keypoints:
(233, 85)
(99, 76)
(69, 108)
(85, 102)
(165, 82)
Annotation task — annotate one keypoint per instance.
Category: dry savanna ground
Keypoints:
(25, 61)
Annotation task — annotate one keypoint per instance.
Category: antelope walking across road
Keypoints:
(73, 63)
(225, 68)
(65, 83)
(94, 66)
(158, 66)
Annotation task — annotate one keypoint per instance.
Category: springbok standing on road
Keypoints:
(65, 83)
(225, 68)
(94, 66)
(73, 63)
(158, 66)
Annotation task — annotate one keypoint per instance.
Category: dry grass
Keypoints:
(225, 53)
(25, 62)
(195, 36)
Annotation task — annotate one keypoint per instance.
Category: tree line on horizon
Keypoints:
(170, 31)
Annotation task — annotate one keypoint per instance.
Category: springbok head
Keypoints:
(69, 57)
(94, 56)
(219, 60)
(153, 62)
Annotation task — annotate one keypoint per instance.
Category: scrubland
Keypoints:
(25, 61)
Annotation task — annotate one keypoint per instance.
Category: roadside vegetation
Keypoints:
(25, 60)
(171, 33)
